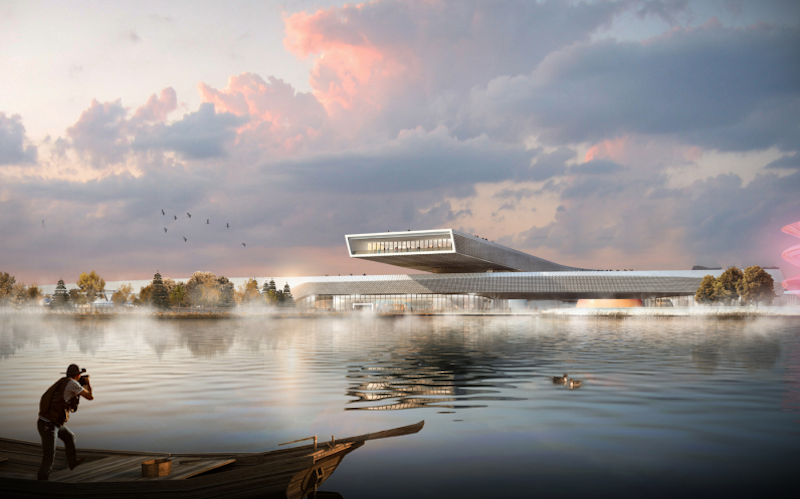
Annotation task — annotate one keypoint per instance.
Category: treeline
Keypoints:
(753, 286)
(17, 294)
(205, 289)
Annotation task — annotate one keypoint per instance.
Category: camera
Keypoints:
(84, 380)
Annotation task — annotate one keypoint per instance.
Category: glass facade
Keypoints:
(401, 303)
(381, 247)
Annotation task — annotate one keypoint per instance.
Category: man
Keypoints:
(54, 408)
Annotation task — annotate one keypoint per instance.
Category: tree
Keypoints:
(288, 300)
(726, 288)
(60, 297)
(226, 292)
(705, 293)
(90, 284)
(145, 296)
(757, 286)
(272, 297)
(122, 295)
(160, 298)
(19, 295)
(248, 293)
(202, 289)
(76, 297)
(34, 293)
(177, 297)
(6, 286)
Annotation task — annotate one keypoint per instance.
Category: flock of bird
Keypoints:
(208, 222)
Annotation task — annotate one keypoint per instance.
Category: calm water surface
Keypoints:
(667, 406)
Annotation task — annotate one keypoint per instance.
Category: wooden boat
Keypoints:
(291, 473)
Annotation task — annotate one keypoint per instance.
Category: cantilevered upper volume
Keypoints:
(445, 251)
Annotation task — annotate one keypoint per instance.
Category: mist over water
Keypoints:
(667, 405)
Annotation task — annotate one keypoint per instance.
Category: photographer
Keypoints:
(54, 408)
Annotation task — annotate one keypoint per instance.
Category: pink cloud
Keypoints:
(348, 66)
(279, 116)
(158, 107)
(614, 150)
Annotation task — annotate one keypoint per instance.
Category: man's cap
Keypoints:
(73, 369)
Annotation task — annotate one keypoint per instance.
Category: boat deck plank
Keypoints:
(101, 470)
(183, 471)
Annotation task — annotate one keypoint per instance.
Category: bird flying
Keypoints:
(207, 222)
(176, 216)
(190, 215)
(227, 226)
(165, 230)
(184, 239)
(244, 245)
(162, 212)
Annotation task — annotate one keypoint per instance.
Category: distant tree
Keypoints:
(726, 288)
(757, 286)
(177, 297)
(34, 292)
(76, 297)
(247, 293)
(122, 295)
(288, 300)
(60, 297)
(202, 289)
(6, 286)
(19, 295)
(226, 292)
(160, 298)
(272, 297)
(90, 284)
(144, 299)
(705, 293)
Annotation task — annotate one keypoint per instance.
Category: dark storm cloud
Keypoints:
(732, 89)
(199, 135)
(14, 144)
(786, 162)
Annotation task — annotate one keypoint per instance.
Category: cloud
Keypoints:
(15, 148)
(416, 161)
(157, 107)
(199, 135)
(392, 55)
(100, 133)
(724, 88)
(280, 119)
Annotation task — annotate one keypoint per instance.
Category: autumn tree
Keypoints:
(226, 292)
(726, 287)
(272, 297)
(90, 284)
(6, 286)
(160, 298)
(247, 293)
(76, 297)
(756, 286)
(19, 295)
(202, 289)
(143, 299)
(177, 297)
(705, 293)
(122, 295)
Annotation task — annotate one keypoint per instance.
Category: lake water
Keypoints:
(667, 406)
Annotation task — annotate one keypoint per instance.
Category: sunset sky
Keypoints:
(648, 134)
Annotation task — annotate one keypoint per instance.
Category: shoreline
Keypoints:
(560, 313)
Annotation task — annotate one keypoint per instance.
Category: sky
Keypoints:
(642, 134)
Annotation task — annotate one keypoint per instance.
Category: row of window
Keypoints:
(400, 303)
(409, 245)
